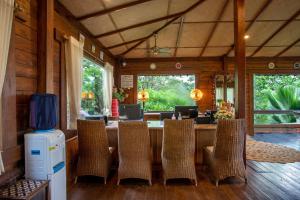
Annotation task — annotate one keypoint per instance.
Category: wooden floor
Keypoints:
(265, 181)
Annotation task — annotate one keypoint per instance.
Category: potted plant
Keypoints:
(225, 111)
(118, 95)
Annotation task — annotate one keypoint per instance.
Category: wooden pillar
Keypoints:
(45, 45)
(240, 64)
(225, 73)
(240, 58)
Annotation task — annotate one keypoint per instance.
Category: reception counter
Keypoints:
(205, 134)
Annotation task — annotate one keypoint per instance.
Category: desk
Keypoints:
(205, 135)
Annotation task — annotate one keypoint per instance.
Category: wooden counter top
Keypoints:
(160, 125)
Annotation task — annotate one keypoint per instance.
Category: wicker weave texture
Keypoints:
(178, 150)
(134, 148)
(226, 157)
(94, 155)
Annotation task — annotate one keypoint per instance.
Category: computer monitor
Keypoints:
(131, 111)
(186, 111)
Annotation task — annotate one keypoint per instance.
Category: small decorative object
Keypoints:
(143, 96)
(225, 111)
(152, 66)
(119, 94)
(297, 65)
(101, 55)
(115, 108)
(126, 81)
(271, 65)
(93, 48)
(196, 94)
(178, 65)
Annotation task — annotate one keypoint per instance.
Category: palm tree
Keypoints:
(285, 98)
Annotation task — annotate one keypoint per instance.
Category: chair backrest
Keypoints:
(166, 115)
(230, 138)
(133, 140)
(92, 138)
(178, 139)
(132, 111)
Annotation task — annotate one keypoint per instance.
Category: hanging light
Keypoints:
(143, 95)
(153, 66)
(196, 94)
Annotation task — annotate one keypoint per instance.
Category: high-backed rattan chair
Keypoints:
(178, 150)
(225, 158)
(135, 160)
(95, 156)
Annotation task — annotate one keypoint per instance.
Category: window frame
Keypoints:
(162, 74)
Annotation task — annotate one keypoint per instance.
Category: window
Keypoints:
(92, 91)
(166, 92)
(276, 99)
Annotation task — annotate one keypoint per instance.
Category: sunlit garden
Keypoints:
(165, 92)
(276, 99)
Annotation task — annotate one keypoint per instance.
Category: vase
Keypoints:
(115, 108)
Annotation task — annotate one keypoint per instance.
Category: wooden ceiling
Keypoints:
(190, 28)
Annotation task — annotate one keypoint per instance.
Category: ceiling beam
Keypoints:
(139, 24)
(125, 43)
(287, 48)
(212, 31)
(63, 11)
(164, 26)
(179, 33)
(112, 9)
(258, 13)
(294, 16)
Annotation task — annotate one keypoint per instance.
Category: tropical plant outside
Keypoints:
(92, 82)
(165, 92)
(276, 92)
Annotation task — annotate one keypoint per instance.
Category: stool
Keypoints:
(24, 189)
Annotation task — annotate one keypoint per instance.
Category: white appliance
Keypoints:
(45, 160)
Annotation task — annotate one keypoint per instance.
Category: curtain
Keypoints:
(74, 57)
(6, 20)
(108, 83)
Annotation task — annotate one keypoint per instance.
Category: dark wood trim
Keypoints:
(294, 16)
(112, 9)
(63, 86)
(231, 21)
(179, 33)
(139, 25)
(212, 31)
(259, 12)
(61, 10)
(125, 43)
(174, 59)
(45, 46)
(164, 26)
(287, 48)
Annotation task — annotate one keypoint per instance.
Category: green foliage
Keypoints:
(165, 92)
(92, 82)
(276, 92)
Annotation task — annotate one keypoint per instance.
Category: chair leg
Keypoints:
(75, 181)
(105, 180)
(246, 180)
(150, 182)
(217, 183)
(118, 183)
(196, 183)
(165, 181)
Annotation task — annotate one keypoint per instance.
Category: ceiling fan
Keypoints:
(156, 50)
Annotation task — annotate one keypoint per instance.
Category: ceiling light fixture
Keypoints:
(246, 37)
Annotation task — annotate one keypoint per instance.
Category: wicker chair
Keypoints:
(178, 150)
(95, 156)
(225, 158)
(135, 160)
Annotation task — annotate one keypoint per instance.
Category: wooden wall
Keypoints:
(20, 83)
